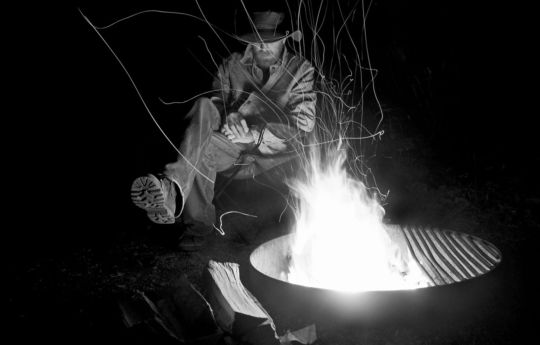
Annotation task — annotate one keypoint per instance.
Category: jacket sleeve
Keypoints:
(303, 98)
(302, 101)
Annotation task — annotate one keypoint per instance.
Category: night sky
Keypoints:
(85, 133)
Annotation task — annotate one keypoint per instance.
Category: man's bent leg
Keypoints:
(199, 212)
(164, 197)
(220, 155)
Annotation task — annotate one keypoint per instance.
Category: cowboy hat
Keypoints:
(265, 29)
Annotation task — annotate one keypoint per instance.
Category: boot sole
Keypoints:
(146, 193)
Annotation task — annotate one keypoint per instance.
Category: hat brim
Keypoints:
(267, 37)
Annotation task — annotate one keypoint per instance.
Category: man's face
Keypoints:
(268, 50)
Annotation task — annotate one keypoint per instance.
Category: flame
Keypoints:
(340, 241)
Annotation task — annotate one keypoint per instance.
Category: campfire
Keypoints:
(341, 243)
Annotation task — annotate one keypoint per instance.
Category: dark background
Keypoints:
(459, 72)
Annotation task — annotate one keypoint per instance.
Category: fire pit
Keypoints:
(454, 264)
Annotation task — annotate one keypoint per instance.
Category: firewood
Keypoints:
(235, 309)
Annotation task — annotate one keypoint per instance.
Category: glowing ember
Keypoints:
(340, 241)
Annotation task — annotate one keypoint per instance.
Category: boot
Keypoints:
(159, 197)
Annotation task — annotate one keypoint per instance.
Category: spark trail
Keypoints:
(343, 90)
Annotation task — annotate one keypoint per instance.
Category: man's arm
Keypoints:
(234, 126)
(300, 109)
(303, 99)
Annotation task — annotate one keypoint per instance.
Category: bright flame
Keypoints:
(340, 240)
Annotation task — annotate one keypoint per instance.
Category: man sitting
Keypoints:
(264, 103)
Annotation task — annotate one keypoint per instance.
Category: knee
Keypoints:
(206, 110)
(204, 101)
(207, 106)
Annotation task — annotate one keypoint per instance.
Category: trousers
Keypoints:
(204, 153)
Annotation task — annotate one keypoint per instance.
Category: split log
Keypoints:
(235, 309)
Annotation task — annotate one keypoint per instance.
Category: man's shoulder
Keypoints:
(299, 61)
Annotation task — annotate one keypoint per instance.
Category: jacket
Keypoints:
(238, 86)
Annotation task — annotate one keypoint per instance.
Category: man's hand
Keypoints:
(237, 130)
